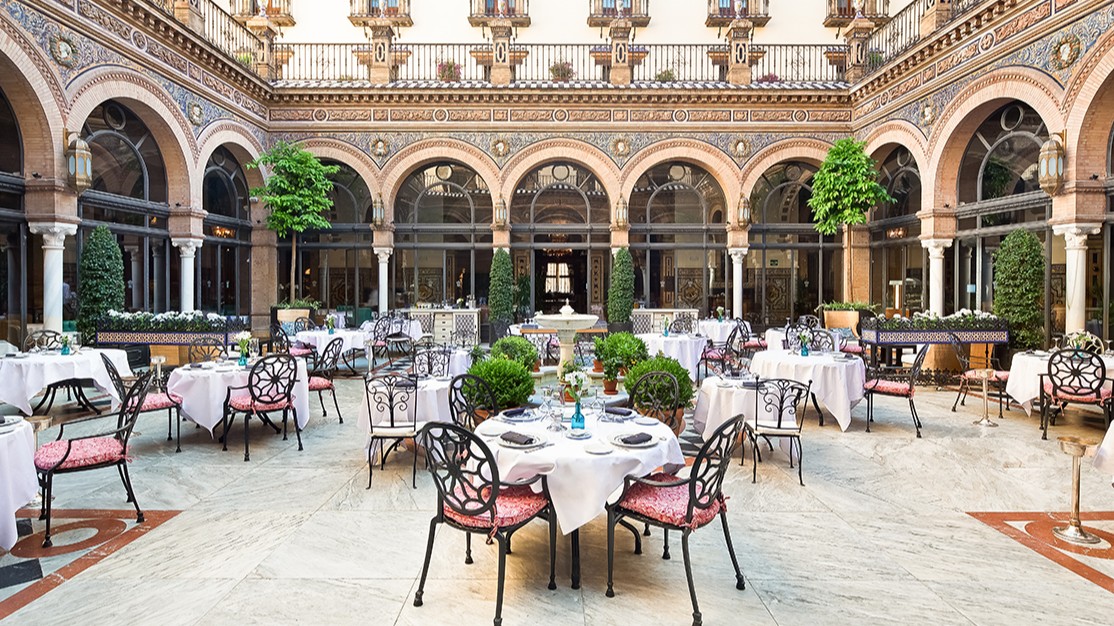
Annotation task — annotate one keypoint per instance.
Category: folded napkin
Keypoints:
(636, 439)
(514, 412)
(195, 365)
(615, 411)
(517, 438)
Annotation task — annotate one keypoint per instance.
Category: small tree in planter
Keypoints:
(1019, 288)
(844, 189)
(620, 298)
(100, 277)
(297, 193)
(501, 297)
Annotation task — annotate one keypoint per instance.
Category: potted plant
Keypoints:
(100, 274)
(561, 71)
(665, 76)
(611, 375)
(516, 349)
(662, 363)
(508, 379)
(501, 291)
(297, 194)
(844, 314)
(448, 71)
(601, 353)
(167, 334)
(1019, 288)
(289, 311)
(843, 190)
(620, 298)
(626, 347)
(768, 78)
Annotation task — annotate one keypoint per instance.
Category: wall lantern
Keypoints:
(79, 160)
(896, 233)
(1052, 163)
(501, 212)
(744, 218)
(622, 213)
(377, 214)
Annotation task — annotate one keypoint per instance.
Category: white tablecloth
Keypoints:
(719, 400)
(203, 390)
(775, 337)
(715, 330)
(320, 339)
(414, 330)
(18, 483)
(22, 378)
(1024, 383)
(432, 405)
(685, 348)
(459, 362)
(836, 382)
(581, 483)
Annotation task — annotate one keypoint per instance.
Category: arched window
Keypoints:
(126, 159)
(560, 193)
(1001, 159)
(677, 193)
(899, 175)
(11, 144)
(225, 190)
(350, 195)
(443, 193)
(224, 260)
(781, 195)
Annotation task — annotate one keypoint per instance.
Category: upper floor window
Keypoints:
(841, 12)
(366, 12)
(723, 12)
(277, 10)
(602, 12)
(1001, 159)
(484, 11)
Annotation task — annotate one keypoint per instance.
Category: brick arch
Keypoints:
(37, 99)
(1089, 112)
(346, 153)
(150, 102)
(806, 150)
(713, 160)
(428, 151)
(958, 122)
(572, 150)
(902, 133)
(234, 136)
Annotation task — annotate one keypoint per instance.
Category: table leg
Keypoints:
(575, 541)
(985, 421)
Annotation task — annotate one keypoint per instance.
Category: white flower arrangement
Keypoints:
(577, 383)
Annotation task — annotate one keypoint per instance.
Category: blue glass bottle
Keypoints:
(804, 349)
(577, 417)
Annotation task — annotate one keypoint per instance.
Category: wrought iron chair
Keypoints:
(471, 498)
(1075, 376)
(322, 374)
(157, 398)
(463, 338)
(205, 349)
(657, 395)
(752, 342)
(89, 452)
(471, 401)
(395, 397)
(1083, 340)
(398, 342)
(270, 388)
(681, 504)
(43, 340)
(776, 402)
(877, 384)
(811, 321)
(499, 329)
(52, 340)
(968, 365)
(718, 356)
(682, 324)
(793, 334)
(822, 341)
(431, 362)
(303, 323)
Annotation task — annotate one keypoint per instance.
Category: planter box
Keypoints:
(172, 345)
(907, 336)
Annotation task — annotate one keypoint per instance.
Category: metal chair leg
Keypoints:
(696, 619)
(665, 547)
(502, 579)
(610, 593)
(739, 582)
(425, 565)
(131, 493)
(552, 549)
(468, 549)
(637, 535)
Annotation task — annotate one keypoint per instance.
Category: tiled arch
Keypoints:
(711, 159)
(550, 150)
(427, 151)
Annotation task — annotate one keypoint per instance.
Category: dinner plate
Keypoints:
(645, 421)
(598, 447)
(578, 433)
(617, 440)
(491, 428)
(528, 416)
(538, 442)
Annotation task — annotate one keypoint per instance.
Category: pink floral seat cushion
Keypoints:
(161, 400)
(1002, 375)
(667, 504)
(319, 383)
(84, 452)
(713, 354)
(754, 343)
(1071, 394)
(889, 388)
(852, 349)
(513, 506)
(245, 403)
(301, 351)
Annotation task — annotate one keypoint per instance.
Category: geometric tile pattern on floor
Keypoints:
(1034, 530)
(81, 537)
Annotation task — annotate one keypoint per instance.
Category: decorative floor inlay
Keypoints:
(81, 538)
(1034, 530)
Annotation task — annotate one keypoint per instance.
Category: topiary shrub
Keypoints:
(501, 295)
(100, 281)
(508, 379)
(1019, 288)
(624, 347)
(620, 298)
(515, 349)
(662, 363)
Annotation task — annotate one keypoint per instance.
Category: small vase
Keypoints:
(332, 331)
(65, 350)
(243, 360)
(577, 418)
(665, 332)
(719, 318)
(804, 350)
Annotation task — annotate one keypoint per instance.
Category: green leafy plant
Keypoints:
(100, 276)
(522, 295)
(626, 347)
(297, 194)
(170, 322)
(665, 76)
(561, 71)
(515, 349)
(299, 303)
(662, 363)
(1019, 288)
(611, 367)
(501, 295)
(995, 178)
(245, 58)
(847, 306)
(508, 379)
(620, 298)
(448, 71)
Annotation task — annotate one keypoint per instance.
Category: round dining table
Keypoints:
(716, 330)
(775, 338)
(351, 339)
(720, 399)
(431, 405)
(24, 375)
(837, 379)
(1024, 384)
(18, 481)
(686, 349)
(203, 389)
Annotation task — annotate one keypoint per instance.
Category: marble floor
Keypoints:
(887, 529)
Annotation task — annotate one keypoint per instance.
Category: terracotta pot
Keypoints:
(482, 416)
(538, 365)
(842, 319)
(610, 387)
(597, 365)
(569, 397)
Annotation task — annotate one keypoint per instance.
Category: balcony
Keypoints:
(374, 12)
(277, 10)
(486, 11)
(722, 12)
(841, 12)
(602, 12)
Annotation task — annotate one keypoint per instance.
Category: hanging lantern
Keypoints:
(622, 213)
(377, 214)
(501, 213)
(743, 220)
(79, 160)
(1052, 164)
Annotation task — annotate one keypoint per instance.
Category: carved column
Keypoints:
(380, 68)
(620, 52)
(738, 257)
(501, 68)
(738, 52)
(384, 255)
(261, 27)
(188, 12)
(188, 249)
(856, 36)
(1075, 272)
(936, 249)
(54, 245)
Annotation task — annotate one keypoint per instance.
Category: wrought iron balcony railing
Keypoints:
(484, 11)
(723, 12)
(896, 36)
(602, 12)
(841, 12)
(367, 12)
(277, 10)
(232, 37)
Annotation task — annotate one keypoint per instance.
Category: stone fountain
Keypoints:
(567, 323)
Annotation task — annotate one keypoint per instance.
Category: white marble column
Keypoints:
(1075, 272)
(54, 244)
(188, 249)
(384, 255)
(158, 298)
(936, 285)
(738, 256)
(137, 275)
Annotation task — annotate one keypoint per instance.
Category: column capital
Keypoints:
(53, 233)
(936, 247)
(1075, 235)
(738, 254)
(187, 247)
(384, 254)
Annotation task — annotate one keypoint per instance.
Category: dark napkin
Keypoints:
(514, 412)
(618, 411)
(195, 365)
(636, 439)
(517, 438)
